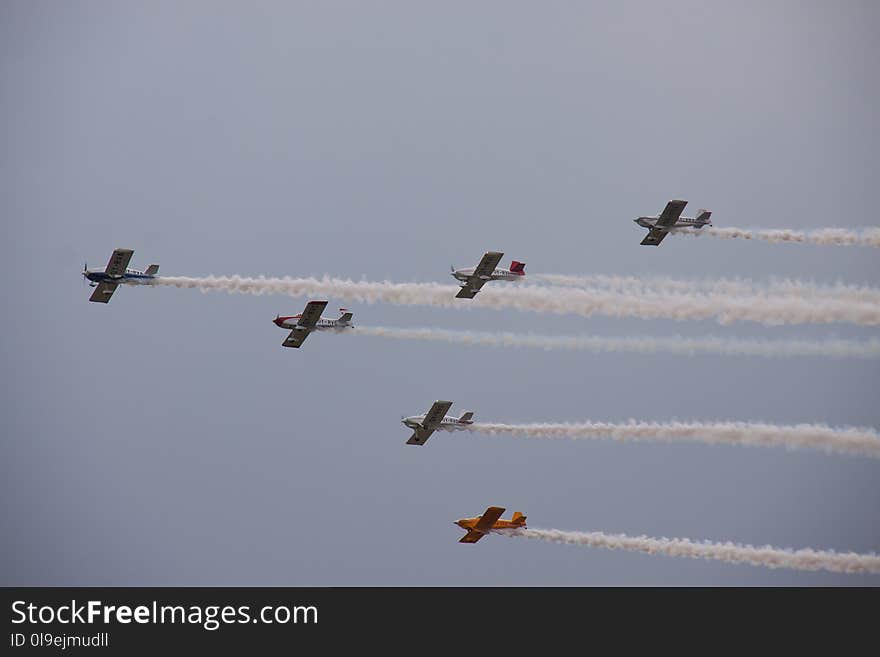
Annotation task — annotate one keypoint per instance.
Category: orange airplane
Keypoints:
(482, 525)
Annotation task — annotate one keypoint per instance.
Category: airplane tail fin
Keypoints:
(518, 267)
(518, 519)
(346, 316)
(703, 215)
(152, 270)
(467, 416)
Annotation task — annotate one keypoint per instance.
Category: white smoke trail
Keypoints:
(738, 287)
(674, 345)
(848, 440)
(822, 236)
(723, 308)
(769, 557)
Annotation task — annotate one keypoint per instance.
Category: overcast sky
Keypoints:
(168, 438)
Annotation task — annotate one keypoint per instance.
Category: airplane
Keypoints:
(311, 320)
(424, 425)
(473, 278)
(659, 227)
(478, 527)
(116, 273)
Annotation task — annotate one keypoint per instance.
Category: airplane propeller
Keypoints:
(84, 272)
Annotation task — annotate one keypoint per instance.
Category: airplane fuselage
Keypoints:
(130, 277)
(321, 325)
(682, 222)
(470, 523)
(448, 423)
(498, 275)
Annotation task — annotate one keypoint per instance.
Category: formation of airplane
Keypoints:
(310, 320)
(659, 227)
(116, 273)
(424, 425)
(478, 527)
(474, 278)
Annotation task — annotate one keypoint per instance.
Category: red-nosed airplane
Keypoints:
(310, 320)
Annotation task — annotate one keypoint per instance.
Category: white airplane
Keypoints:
(473, 278)
(310, 320)
(116, 273)
(658, 227)
(424, 425)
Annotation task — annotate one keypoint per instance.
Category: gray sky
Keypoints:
(168, 438)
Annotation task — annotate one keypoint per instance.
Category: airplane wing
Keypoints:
(103, 292)
(470, 289)
(471, 537)
(435, 414)
(311, 314)
(482, 273)
(487, 520)
(296, 338)
(671, 213)
(487, 265)
(654, 237)
(118, 262)
(419, 436)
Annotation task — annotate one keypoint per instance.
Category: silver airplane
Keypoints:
(474, 278)
(424, 425)
(658, 227)
(310, 320)
(105, 281)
